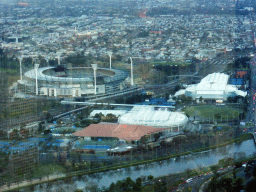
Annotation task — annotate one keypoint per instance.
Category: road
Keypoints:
(197, 181)
(252, 92)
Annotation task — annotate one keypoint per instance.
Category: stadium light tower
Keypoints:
(47, 60)
(58, 54)
(110, 54)
(131, 72)
(58, 59)
(36, 67)
(94, 66)
(21, 58)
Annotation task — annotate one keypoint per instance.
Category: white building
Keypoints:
(155, 116)
(213, 86)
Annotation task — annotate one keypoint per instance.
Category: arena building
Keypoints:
(212, 87)
(63, 81)
(155, 116)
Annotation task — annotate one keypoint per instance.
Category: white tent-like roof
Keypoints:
(153, 116)
(213, 86)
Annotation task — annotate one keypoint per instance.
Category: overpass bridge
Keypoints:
(108, 104)
(86, 104)
(68, 113)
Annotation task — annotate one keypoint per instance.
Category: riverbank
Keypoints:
(54, 178)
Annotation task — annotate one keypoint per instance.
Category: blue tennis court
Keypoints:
(27, 143)
(56, 144)
(18, 148)
(4, 143)
(96, 147)
(37, 139)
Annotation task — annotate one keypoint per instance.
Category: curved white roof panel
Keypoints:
(153, 116)
(214, 81)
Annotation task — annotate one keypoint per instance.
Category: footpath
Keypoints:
(27, 183)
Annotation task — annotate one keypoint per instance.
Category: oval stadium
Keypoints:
(61, 81)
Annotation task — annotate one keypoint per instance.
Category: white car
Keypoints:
(189, 180)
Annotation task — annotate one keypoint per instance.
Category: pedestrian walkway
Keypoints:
(32, 182)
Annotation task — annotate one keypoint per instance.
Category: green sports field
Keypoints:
(210, 111)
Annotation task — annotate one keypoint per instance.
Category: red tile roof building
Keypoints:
(124, 132)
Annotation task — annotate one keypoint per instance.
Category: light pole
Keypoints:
(36, 67)
(94, 66)
(21, 67)
(58, 58)
(131, 72)
(47, 60)
(110, 54)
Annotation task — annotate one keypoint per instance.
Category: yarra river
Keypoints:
(173, 165)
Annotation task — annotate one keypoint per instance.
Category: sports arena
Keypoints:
(212, 87)
(155, 116)
(61, 81)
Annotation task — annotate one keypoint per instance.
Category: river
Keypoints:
(173, 165)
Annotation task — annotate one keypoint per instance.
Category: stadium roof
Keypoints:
(214, 85)
(121, 131)
(156, 116)
(41, 75)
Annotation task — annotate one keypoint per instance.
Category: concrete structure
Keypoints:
(213, 86)
(63, 81)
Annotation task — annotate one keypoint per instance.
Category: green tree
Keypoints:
(48, 117)
(226, 184)
(215, 168)
(137, 187)
(112, 187)
(177, 88)
(160, 186)
(213, 185)
(188, 172)
(98, 116)
(230, 99)
(156, 136)
(40, 127)
(128, 184)
(217, 116)
(92, 187)
(150, 177)
(238, 184)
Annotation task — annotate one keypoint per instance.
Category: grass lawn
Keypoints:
(210, 111)
(49, 169)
